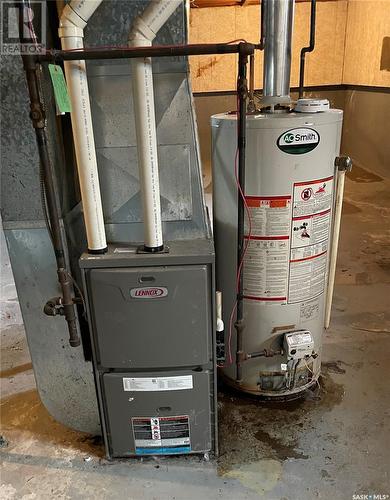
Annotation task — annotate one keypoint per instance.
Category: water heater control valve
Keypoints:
(298, 344)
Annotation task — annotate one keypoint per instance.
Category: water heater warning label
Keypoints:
(267, 257)
(161, 435)
(312, 197)
(311, 220)
(270, 215)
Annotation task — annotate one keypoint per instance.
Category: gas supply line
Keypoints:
(66, 304)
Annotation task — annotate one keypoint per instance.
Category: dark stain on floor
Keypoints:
(333, 367)
(282, 451)
(252, 430)
(11, 372)
(349, 208)
(384, 264)
(360, 174)
(25, 412)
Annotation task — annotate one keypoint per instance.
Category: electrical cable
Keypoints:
(41, 172)
(312, 373)
(78, 290)
(247, 239)
(238, 40)
(41, 175)
(295, 373)
(288, 377)
(48, 227)
(44, 203)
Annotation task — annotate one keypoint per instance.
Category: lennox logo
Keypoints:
(150, 292)
(298, 141)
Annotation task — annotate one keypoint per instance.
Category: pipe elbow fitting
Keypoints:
(71, 24)
(140, 35)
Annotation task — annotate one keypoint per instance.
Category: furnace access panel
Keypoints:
(152, 328)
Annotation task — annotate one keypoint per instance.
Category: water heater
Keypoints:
(289, 197)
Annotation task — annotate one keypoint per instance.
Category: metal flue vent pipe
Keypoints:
(277, 26)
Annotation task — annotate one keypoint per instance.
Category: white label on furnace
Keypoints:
(157, 383)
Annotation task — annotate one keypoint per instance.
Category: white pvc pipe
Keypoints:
(72, 23)
(157, 14)
(147, 151)
(143, 32)
(85, 8)
(334, 244)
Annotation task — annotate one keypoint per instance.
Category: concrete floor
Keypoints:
(334, 444)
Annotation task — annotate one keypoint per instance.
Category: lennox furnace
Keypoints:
(139, 297)
(151, 305)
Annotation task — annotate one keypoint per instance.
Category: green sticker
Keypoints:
(60, 89)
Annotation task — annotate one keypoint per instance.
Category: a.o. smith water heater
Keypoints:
(289, 192)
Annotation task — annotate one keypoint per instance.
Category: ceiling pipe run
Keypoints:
(277, 34)
(73, 20)
(142, 34)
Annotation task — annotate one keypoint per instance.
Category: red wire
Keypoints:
(238, 40)
(99, 47)
(240, 266)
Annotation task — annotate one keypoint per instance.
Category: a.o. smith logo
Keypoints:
(149, 292)
(298, 141)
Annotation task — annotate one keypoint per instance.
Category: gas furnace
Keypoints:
(152, 327)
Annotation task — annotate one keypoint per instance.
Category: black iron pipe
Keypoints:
(262, 25)
(267, 353)
(139, 52)
(38, 119)
(242, 92)
(307, 49)
(251, 101)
